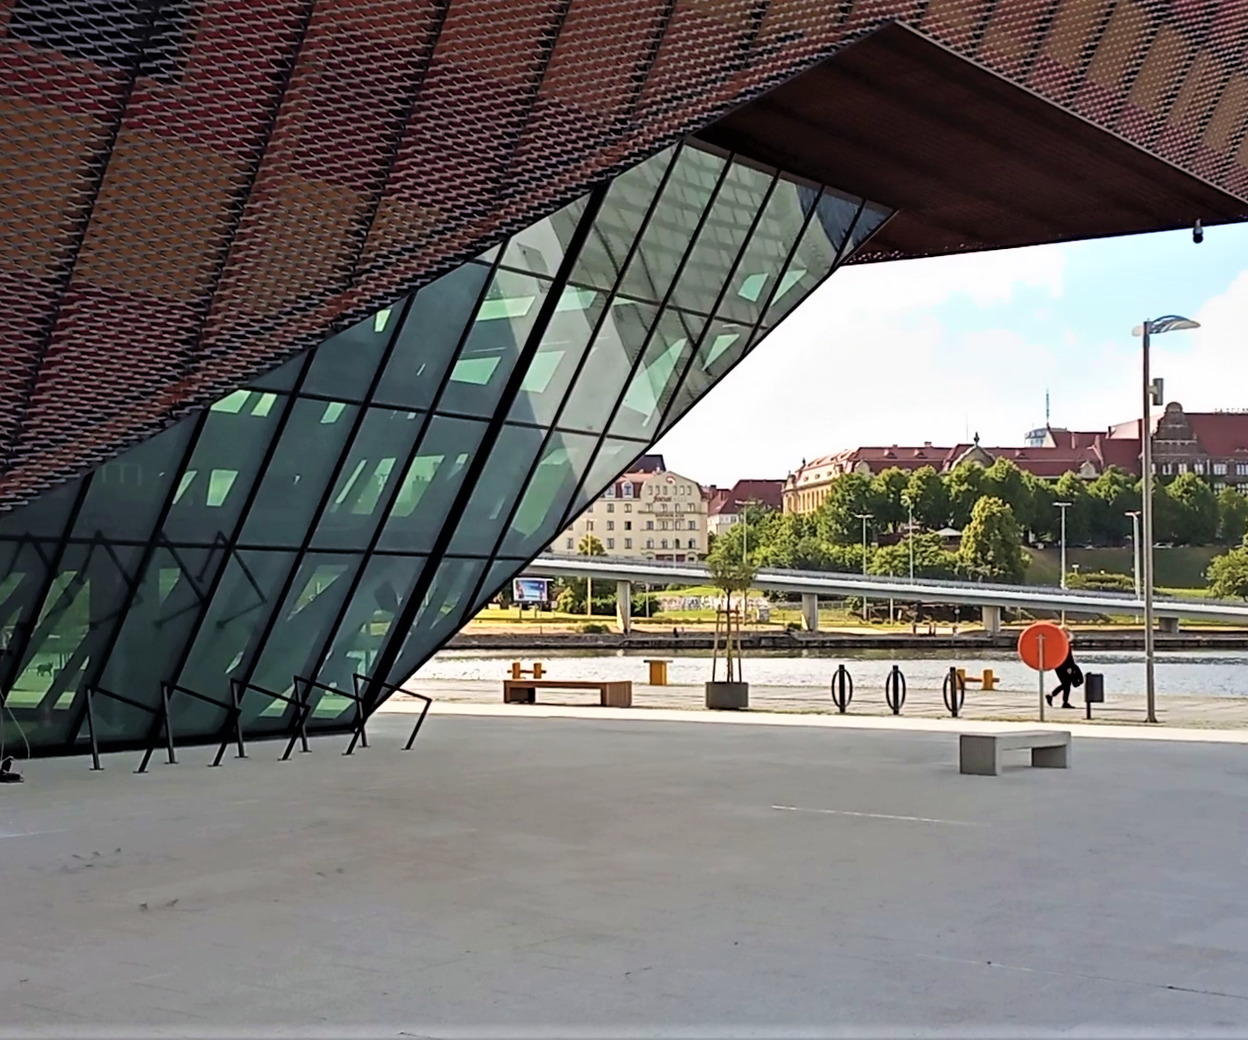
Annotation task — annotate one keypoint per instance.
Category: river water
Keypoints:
(1202, 673)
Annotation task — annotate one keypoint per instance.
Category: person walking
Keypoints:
(1069, 675)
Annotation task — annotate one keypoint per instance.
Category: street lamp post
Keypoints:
(1063, 506)
(864, 517)
(1134, 514)
(910, 537)
(1151, 396)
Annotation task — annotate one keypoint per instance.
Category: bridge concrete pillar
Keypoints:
(992, 620)
(810, 611)
(624, 606)
(1168, 626)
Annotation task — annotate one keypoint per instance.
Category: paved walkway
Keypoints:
(571, 878)
(999, 705)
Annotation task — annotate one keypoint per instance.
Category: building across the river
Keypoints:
(1213, 445)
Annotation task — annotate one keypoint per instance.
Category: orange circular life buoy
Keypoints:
(1055, 641)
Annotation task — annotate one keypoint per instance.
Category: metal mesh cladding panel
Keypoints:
(196, 189)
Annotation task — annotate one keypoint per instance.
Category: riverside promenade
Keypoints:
(922, 702)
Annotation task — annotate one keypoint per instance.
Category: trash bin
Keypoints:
(1093, 690)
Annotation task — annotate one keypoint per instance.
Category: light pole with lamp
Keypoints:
(1063, 506)
(1134, 514)
(864, 517)
(910, 537)
(1152, 396)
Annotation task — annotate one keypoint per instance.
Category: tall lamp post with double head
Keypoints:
(1134, 514)
(1151, 396)
(864, 517)
(1063, 506)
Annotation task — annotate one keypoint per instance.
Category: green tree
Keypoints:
(1004, 480)
(1232, 516)
(931, 558)
(1227, 575)
(837, 516)
(590, 546)
(1198, 510)
(925, 494)
(964, 487)
(731, 574)
(1043, 519)
(1069, 488)
(992, 544)
(1111, 495)
(887, 488)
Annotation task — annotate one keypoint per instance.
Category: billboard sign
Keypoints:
(530, 590)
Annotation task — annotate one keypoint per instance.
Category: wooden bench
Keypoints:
(980, 753)
(611, 694)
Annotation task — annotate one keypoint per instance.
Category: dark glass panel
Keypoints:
(871, 217)
(46, 516)
(601, 259)
(159, 621)
(431, 483)
(564, 343)
(358, 500)
(366, 624)
(497, 490)
(539, 248)
(764, 257)
(721, 238)
(76, 620)
(672, 225)
(127, 493)
(650, 391)
(724, 344)
(224, 464)
(442, 610)
(229, 637)
(613, 458)
(304, 624)
(344, 365)
(620, 340)
(428, 337)
(25, 567)
(295, 478)
(564, 461)
(816, 253)
(502, 325)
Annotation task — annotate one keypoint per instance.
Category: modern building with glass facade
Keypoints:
(321, 319)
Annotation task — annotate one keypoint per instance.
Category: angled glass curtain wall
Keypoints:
(347, 512)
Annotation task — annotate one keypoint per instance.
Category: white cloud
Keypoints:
(1207, 368)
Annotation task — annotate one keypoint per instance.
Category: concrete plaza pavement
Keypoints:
(553, 876)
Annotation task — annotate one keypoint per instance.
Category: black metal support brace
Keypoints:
(298, 724)
(234, 713)
(362, 681)
(357, 728)
(161, 713)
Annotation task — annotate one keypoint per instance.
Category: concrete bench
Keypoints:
(980, 753)
(611, 694)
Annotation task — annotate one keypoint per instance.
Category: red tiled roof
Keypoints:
(768, 493)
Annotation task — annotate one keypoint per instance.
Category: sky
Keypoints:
(936, 350)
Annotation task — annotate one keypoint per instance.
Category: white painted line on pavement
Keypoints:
(877, 816)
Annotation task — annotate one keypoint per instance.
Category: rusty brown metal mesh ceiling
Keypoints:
(195, 189)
